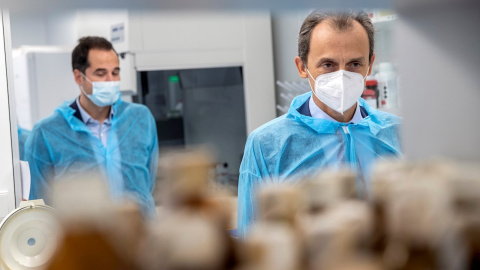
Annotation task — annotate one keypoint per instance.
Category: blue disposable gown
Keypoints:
(293, 146)
(22, 138)
(61, 147)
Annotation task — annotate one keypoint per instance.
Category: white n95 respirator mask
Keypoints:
(339, 90)
(103, 93)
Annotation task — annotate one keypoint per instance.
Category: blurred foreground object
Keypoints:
(416, 221)
(276, 237)
(422, 215)
(98, 233)
(327, 189)
(192, 232)
(340, 236)
(29, 236)
(337, 226)
(185, 177)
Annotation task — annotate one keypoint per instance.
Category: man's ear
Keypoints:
(371, 64)
(78, 76)
(302, 69)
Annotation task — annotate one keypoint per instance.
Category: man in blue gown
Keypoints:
(97, 133)
(329, 127)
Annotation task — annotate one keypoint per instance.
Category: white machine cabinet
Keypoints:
(169, 40)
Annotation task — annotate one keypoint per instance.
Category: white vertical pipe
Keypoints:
(10, 185)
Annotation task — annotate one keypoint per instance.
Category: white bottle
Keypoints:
(387, 86)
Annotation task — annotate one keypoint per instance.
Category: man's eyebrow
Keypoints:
(105, 70)
(325, 59)
(100, 70)
(358, 59)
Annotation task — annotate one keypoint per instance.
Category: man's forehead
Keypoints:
(351, 42)
(99, 57)
(329, 28)
(342, 25)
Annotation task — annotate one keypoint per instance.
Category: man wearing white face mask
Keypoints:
(329, 127)
(97, 134)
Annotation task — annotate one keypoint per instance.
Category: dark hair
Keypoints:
(85, 44)
(341, 20)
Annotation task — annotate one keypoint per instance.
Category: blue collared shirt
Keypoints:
(316, 112)
(100, 131)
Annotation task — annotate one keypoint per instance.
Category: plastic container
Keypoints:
(370, 94)
(387, 85)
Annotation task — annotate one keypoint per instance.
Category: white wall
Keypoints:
(28, 29)
(61, 28)
(39, 29)
(100, 22)
(438, 50)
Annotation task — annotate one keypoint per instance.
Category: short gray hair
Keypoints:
(341, 20)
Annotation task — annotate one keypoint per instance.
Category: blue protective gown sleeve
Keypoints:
(153, 163)
(248, 181)
(41, 167)
(294, 146)
(152, 168)
(22, 138)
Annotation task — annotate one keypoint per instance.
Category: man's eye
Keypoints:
(356, 64)
(327, 65)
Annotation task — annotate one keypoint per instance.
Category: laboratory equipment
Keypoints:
(204, 106)
(29, 236)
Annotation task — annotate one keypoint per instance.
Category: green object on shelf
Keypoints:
(173, 78)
